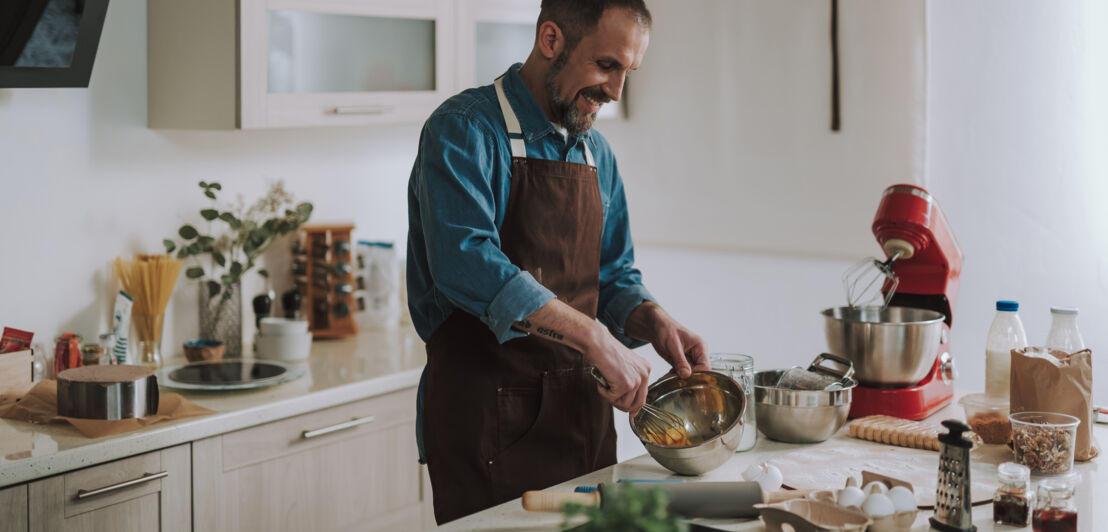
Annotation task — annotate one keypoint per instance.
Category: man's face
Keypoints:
(592, 74)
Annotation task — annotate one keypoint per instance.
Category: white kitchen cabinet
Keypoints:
(493, 35)
(224, 64)
(350, 467)
(150, 491)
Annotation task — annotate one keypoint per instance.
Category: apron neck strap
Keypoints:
(515, 132)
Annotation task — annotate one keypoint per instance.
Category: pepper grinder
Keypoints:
(953, 510)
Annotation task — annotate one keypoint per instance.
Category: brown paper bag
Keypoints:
(1038, 385)
(40, 405)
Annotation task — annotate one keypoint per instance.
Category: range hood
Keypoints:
(49, 43)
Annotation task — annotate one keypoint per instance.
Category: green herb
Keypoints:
(626, 508)
(249, 231)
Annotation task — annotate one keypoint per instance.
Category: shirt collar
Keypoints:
(532, 120)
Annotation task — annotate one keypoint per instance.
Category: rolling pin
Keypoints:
(689, 499)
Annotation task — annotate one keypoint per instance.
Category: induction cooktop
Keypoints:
(231, 374)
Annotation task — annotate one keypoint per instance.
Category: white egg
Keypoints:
(903, 498)
(772, 479)
(753, 472)
(876, 487)
(878, 505)
(851, 496)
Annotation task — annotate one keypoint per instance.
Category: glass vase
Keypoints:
(148, 328)
(221, 318)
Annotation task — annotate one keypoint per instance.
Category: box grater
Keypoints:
(953, 511)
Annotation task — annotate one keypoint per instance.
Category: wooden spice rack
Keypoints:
(324, 274)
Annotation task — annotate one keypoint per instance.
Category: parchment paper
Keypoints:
(40, 405)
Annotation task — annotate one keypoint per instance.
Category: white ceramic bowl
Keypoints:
(282, 326)
(290, 347)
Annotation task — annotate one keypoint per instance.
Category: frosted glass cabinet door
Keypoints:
(326, 62)
(494, 34)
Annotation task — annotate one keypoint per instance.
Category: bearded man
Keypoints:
(520, 269)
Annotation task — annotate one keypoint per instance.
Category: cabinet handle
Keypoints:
(361, 109)
(84, 494)
(308, 434)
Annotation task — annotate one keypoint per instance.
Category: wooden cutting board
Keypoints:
(828, 465)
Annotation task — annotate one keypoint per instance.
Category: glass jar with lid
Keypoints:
(1055, 508)
(741, 369)
(1012, 500)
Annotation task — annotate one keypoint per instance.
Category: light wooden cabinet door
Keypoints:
(350, 467)
(13, 509)
(147, 492)
(222, 64)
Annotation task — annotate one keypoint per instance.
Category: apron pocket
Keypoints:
(517, 410)
(555, 446)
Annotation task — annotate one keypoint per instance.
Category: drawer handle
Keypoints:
(308, 434)
(84, 494)
(361, 109)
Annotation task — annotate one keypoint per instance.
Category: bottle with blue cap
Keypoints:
(1005, 334)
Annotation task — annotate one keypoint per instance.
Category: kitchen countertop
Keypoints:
(338, 371)
(511, 516)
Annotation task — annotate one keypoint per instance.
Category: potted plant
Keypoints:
(227, 246)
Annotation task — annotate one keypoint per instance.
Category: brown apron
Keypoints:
(500, 419)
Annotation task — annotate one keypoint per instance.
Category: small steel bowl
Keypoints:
(799, 416)
(712, 405)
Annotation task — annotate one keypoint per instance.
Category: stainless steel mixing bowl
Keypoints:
(712, 405)
(799, 416)
(890, 348)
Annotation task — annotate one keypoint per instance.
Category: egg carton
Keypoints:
(901, 520)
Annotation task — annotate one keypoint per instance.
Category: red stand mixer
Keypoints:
(919, 283)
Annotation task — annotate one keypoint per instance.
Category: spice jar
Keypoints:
(1012, 500)
(1055, 509)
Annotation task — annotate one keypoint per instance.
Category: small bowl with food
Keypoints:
(711, 405)
(988, 417)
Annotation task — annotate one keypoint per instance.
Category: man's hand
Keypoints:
(627, 373)
(683, 349)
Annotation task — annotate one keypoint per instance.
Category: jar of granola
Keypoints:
(1044, 441)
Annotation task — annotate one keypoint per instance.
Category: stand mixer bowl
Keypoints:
(893, 347)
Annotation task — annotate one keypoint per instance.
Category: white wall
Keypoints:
(1015, 155)
(84, 181)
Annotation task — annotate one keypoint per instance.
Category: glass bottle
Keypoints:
(1055, 509)
(1064, 335)
(1005, 334)
(1012, 500)
(741, 369)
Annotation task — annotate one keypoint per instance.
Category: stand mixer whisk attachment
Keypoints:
(864, 281)
(659, 426)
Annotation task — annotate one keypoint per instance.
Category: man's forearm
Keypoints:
(642, 322)
(559, 322)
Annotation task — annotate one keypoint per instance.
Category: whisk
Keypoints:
(659, 426)
(864, 281)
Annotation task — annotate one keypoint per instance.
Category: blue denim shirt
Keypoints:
(457, 198)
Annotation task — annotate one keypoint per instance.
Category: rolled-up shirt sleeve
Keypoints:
(621, 288)
(457, 164)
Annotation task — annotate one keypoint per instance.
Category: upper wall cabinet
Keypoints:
(492, 35)
(223, 64)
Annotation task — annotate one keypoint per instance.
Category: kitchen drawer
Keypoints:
(134, 469)
(150, 491)
(322, 427)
